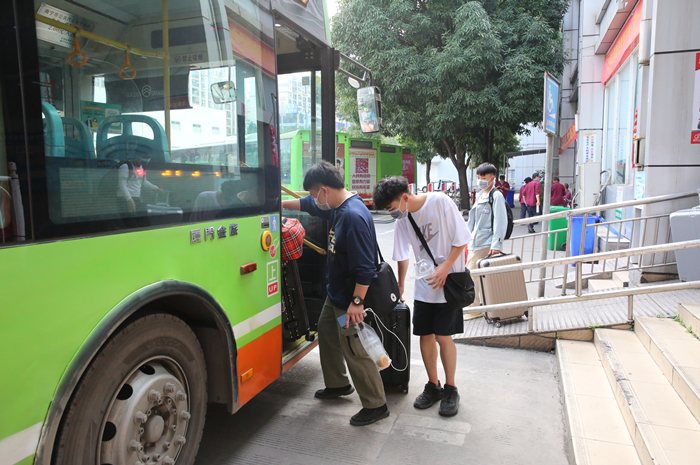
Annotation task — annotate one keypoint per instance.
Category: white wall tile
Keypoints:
(669, 115)
(591, 69)
(590, 106)
(571, 16)
(675, 25)
(589, 11)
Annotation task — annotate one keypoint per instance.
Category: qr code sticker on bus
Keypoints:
(361, 165)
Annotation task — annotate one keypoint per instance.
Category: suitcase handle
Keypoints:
(167, 198)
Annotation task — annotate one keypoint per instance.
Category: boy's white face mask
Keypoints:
(397, 214)
(322, 206)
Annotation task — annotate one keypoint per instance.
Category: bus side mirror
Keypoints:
(369, 106)
(223, 92)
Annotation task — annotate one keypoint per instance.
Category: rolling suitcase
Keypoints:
(685, 226)
(503, 288)
(398, 322)
(162, 213)
(295, 321)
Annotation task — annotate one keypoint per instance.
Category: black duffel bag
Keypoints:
(383, 293)
(459, 287)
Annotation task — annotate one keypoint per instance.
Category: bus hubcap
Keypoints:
(147, 419)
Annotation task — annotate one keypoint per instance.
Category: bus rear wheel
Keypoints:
(142, 400)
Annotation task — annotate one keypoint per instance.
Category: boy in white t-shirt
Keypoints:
(446, 234)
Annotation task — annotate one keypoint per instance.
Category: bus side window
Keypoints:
(117, 157)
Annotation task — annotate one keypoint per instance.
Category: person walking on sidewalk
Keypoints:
(521, 197)
(352, 252)
(488, 222)
(503, 186)
(442, 226)
(558, 191)
(531, 199)
(567, 196)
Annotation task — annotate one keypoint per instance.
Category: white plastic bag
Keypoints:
(373, 346)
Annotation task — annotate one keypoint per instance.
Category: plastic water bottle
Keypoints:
(422, 269)
(373, 346)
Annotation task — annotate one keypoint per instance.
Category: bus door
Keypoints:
(308, 126)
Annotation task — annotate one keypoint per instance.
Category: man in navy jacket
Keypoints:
(352, 253)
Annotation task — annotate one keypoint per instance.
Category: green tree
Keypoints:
(461, 78)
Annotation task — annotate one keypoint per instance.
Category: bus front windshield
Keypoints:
(145, 125)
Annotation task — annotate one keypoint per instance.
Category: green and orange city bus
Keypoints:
(120, 321)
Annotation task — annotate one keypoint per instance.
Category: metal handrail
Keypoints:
(607, 206)
(579, 298)
(578, 261)
(659, 248)
(98, 38)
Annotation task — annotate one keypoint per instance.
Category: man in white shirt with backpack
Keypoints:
(446, 235)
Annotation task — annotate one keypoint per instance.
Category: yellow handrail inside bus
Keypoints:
(97, 38)
(296, 195)
(314, 247)
(311, 245)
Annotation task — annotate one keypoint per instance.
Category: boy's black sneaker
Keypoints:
(449, 405)
(333, 393)
(367, 416)
(431, 394)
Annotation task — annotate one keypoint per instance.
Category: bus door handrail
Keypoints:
(307, 242)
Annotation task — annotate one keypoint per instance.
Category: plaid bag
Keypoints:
(292, 238)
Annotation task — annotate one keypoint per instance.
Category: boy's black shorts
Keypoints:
(438, 319)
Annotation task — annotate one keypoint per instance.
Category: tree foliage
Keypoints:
(459, 78)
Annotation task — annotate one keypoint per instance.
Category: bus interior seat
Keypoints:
(54, 142)
(82, 146)
(115, 147)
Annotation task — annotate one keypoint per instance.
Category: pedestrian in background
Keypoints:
(503, 186)
(532, 200)
(558, 191)
(487, 222)
(567, 196)
(521, 197)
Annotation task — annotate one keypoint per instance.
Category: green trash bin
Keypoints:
(559, 223)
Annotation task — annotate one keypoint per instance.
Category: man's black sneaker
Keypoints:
(449, 405)
(367, 416)
(531, 230)
(429, 396)
(333, 393)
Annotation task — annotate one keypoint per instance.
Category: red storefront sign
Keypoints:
(626, 41)
(408, 167)
(695, 125)
(251, 49)
(568, 138)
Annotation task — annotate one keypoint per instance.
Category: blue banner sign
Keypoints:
(551, 103)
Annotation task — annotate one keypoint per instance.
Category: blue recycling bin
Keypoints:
(589, 240)
(510, 198)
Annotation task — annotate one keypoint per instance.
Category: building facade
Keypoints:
(632, 94)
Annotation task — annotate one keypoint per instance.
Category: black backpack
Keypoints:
(509, 215)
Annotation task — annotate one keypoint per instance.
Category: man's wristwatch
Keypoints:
(357, 300)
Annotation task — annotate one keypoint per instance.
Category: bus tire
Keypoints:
(143, 398)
